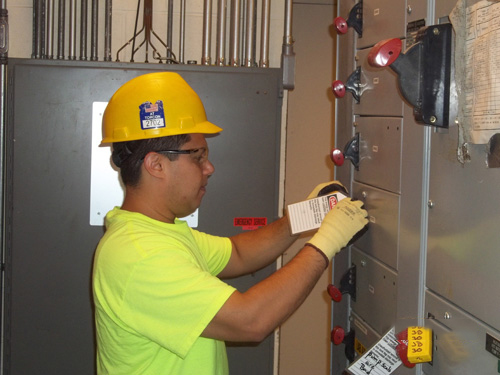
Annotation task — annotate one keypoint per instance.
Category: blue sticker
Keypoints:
(152, 116)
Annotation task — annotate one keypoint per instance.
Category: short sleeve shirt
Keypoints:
(155, 291)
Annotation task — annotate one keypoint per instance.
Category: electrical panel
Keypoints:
(430, 256)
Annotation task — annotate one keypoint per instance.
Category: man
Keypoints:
(161, 306)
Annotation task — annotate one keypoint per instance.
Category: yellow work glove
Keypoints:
(327, 188)
(339, 226)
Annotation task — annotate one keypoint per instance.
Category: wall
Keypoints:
(305, 337)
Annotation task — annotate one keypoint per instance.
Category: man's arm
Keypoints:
(256, 249)
(252, 315)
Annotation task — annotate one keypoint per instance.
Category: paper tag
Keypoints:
(381, 359)
(309, 214)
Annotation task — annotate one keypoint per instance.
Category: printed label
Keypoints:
(309, 214)
(381, 359)
(250, 223)
(152, 115)
(493, 345)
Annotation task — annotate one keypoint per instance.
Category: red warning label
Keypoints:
(250, 223)
(332, 200)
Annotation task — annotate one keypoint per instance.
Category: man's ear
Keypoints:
(154, 164)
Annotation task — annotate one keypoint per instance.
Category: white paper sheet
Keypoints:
(477, 68)
(381, 359)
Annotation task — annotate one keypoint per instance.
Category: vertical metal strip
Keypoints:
(4, 48)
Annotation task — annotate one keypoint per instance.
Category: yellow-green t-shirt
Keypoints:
(155, 291)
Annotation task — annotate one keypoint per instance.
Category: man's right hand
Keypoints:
(339, 226)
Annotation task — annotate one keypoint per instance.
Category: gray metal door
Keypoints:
(50, 243)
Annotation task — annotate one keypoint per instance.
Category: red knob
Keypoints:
(402, 348)
(338, 335)
(338, 89)
(334, 292)
(337, 157)
(402, 351)
(340, 25)
(385, 52)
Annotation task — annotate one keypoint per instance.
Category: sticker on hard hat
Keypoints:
(152, 116)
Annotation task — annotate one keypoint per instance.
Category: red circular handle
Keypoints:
(337, 157)
(341, 25)
(338, 89)
(338, 335)
(334, 292)
(385, 52)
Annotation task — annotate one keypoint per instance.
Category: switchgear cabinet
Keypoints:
(430, 256)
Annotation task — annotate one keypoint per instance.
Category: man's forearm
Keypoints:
(256, 249)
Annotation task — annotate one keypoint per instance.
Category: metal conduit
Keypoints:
(94, 30)
(234, 34)
(43, 21)
(170, 25)
(250, 34)
(72, 30)
(83, 30)
(107, 29)
(60, 30)
(264, 36)
(243, 52)
(182, 31)
(207, 32)
(50, 29)
(242, 33)
(287, 54)
(220, 48)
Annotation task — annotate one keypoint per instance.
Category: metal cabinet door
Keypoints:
(382, 19)
(460, 341)
(382, 238)
(380, 152)
(380, 95)
(376, 288)
(462, 254)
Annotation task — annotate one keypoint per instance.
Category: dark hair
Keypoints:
(128, 156)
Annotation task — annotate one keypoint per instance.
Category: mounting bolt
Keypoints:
(435, 31)
(433, 119)
(408, 9)
(430, 204)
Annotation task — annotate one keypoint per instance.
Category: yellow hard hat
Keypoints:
(154, 105)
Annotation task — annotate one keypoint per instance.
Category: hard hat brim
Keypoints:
(205, 127)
